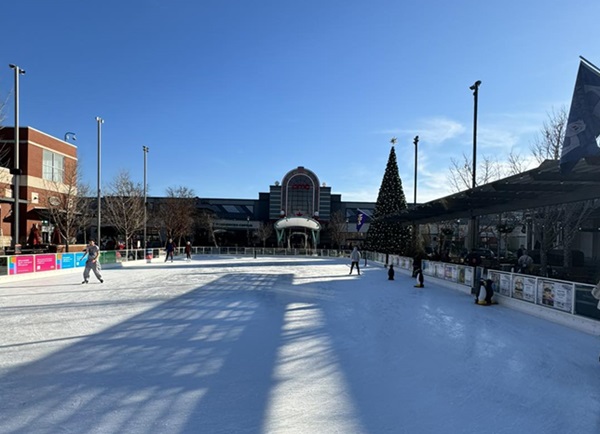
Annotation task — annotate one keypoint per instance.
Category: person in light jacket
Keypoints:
(355, 259)
(91, 264)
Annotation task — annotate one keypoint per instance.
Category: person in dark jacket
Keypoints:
(188, 251)
(391, 272)
(170, 248)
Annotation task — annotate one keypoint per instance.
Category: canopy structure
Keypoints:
(542, 186)
(290, 223)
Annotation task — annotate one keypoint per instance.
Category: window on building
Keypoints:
(53, 166)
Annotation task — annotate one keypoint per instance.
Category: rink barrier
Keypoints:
(561, 301)
(521, 290)
(29, 266)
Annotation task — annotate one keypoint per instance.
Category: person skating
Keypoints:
(188, 251)
(355, 259)
(418, 270)
(170, 248)
(92, 251)
(391, 272)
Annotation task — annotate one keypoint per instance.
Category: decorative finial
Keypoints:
(393, 141)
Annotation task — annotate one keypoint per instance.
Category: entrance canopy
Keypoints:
(542, 186)
(298, 222)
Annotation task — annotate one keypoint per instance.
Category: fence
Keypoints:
(557, 295)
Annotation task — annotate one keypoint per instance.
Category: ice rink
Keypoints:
(282, 345)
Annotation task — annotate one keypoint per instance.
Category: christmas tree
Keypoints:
(386, 235)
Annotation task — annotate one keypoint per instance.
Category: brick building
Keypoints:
(42, 159)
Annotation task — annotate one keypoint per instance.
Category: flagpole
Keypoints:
(590, 64)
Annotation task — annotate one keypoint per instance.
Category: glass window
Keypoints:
(52, 166)
(300, 196)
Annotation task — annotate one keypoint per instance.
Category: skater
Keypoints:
(355, 258)
(170, 248)
(391, 272)
(188, 251)
(92, 252)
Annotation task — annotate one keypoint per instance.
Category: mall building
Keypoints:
(299, 207)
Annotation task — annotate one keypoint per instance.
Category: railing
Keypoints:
(558, 295)
(554, 294)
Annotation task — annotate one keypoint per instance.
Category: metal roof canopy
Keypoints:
(542, 186)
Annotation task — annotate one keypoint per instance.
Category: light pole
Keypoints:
(71, 135)
(475, 89)
(145, 149)
(248, 231)
(416, 142)
(100, 121)
(16, 170)
(473, 223)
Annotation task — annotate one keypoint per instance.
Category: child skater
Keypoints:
(391, 272)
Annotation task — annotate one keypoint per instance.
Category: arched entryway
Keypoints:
(304, 227)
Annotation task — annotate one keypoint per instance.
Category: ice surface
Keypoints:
(282, 345)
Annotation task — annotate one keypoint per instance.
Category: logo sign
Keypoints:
(301, 186)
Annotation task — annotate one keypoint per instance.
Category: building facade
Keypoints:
(42, 161)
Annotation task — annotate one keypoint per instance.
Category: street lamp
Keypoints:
(416, 142)
(473, 223)
(16, 171)
(248, 231)
(475, 89)
(145, 149)
(100, 121)
(71, 135)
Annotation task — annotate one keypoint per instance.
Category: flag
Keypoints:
(583, 125)
(360, 220)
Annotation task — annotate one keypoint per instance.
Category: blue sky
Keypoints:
(230, 95)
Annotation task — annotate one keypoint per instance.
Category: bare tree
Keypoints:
(461, 172)
(177, 211)
(124, 206)
(547, 145)
(264, 231)
(65, 202)
(516, 163)
(574, 215)
(206, 221)
(565, 219)
(338, 228)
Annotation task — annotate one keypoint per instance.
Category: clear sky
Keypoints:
(231, 95)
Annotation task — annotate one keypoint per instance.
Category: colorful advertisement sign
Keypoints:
(45, 262)
(67, 260)
(555, 294)
(20, 264)
(501, 282)
(524, 288)
(78, 259)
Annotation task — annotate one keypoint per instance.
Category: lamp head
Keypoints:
(476, 85)
(16, 68)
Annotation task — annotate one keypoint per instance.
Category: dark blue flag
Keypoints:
(583, 125)
(360, 220)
